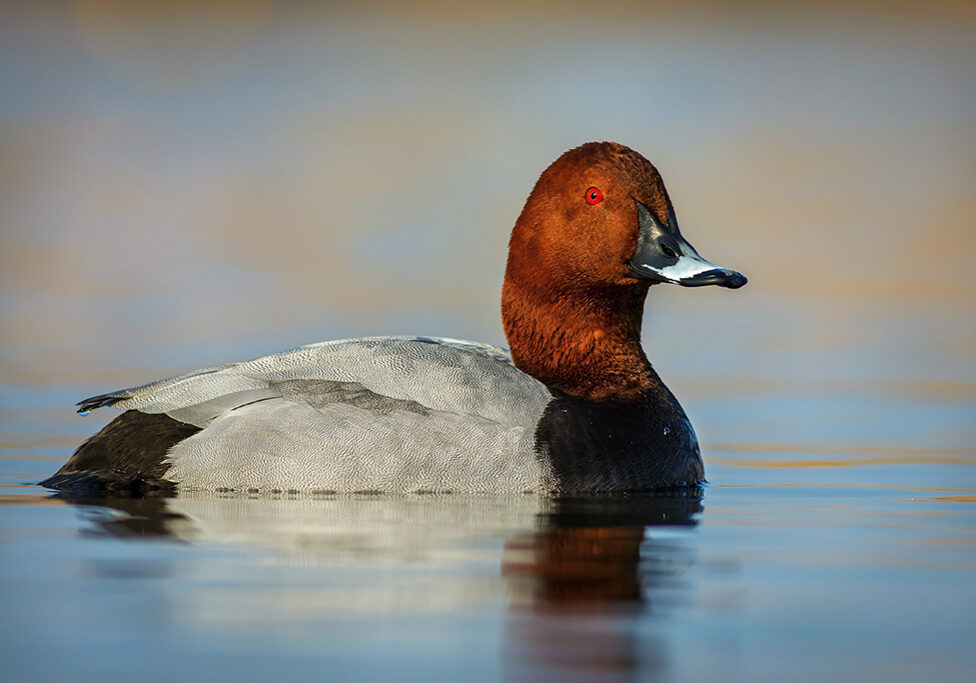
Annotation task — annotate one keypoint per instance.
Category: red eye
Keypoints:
(594, 196)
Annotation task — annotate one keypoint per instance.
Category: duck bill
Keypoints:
(663, 255)
(688, 271)
(722, 277)
(691, 270)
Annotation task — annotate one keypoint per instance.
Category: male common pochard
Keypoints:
(574, 408)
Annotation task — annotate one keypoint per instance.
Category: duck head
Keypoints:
(601, 214)
(597, 230)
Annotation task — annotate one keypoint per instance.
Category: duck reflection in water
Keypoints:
(592, 564)
(577, 570)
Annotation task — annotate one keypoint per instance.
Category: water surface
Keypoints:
(822, 549)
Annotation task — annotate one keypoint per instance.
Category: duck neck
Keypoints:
(585, 343)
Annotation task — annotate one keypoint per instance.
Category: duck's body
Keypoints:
(579, 409)
(392, 414)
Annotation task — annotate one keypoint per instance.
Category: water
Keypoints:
(302, 175)
(822, 549)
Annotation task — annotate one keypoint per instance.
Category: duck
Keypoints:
(574, 406)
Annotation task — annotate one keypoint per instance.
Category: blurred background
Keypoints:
(186, 183)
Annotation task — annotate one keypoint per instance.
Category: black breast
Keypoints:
(593, 447)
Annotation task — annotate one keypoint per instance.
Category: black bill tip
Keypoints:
(721, 277)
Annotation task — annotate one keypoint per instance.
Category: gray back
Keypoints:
(372, 414)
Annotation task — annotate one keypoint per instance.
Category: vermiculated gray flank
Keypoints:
(372, 414)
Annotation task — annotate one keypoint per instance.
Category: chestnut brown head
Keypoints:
(596, 231)
(600, 215)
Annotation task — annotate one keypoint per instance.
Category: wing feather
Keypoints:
(440, 374)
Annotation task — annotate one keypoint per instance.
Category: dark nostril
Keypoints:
(668, 251)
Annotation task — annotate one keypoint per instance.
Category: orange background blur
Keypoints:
(184, 182)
